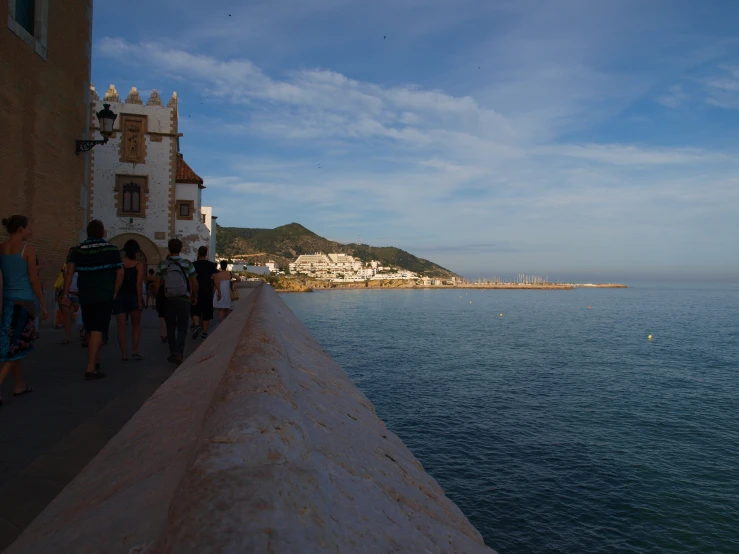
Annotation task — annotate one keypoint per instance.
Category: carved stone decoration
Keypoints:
(112, 95)
(133, 145)
(137, 186)
(154, 99)
(133, 97)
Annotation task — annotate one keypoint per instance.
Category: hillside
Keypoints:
(284, 244)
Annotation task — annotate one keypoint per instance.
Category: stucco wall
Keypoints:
(157, 166)
(193, 232)
(209, 223)
(258, 443)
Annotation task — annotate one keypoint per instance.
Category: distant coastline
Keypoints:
(282, 284)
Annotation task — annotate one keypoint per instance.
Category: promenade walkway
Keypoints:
(49, 435)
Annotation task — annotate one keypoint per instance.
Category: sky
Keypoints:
(494, 137)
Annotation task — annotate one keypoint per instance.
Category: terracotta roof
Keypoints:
(185, 174)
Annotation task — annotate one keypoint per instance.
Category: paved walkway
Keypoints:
(49, 435)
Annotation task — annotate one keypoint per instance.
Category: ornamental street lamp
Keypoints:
(106, 117)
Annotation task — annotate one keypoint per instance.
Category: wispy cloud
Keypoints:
(723, 89)
(674, 97)
(534, 146)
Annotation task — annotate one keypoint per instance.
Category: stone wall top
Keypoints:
(258, 443)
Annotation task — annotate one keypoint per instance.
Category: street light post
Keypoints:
(106, 117)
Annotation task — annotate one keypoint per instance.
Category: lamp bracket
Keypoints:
(87, 145)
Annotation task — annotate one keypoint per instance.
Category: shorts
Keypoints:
(203, 309)
(125, 304)
(96, 317)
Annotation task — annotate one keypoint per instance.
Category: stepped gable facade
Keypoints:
(140, 185)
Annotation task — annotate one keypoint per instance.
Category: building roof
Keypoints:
(185, 174)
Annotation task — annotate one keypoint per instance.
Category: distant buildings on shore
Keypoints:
(346, 268)
(341, 268)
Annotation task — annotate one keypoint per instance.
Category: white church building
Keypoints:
(140, 185)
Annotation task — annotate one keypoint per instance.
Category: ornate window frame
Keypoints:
(39, 38)
(121, 182)
(178, 209)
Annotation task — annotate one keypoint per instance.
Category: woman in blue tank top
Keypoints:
(21, 290)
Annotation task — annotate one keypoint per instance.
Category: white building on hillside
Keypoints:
(344, 262)
(310, 263)
(140, 185)
(343, 267)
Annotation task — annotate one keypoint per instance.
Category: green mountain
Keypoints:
(284, 244)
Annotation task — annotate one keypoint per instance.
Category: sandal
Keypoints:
(89, 375)
(137, 357)
(164, 339)
(65, 341)
(124, 360)
(25, 391)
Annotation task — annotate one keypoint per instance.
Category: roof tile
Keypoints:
(185, 174)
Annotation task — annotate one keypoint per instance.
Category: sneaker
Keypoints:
(204, 336)
(196, 332)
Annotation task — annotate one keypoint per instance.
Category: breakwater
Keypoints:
(258, 443)
(308, 285)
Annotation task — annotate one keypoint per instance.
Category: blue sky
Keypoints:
(559, 137)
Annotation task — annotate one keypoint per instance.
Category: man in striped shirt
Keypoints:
(177, 276)
(100, 275)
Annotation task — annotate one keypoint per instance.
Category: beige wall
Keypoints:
(43, 110)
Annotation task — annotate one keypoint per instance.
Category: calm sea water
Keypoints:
(558, 428)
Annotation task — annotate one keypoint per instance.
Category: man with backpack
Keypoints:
(177, 276)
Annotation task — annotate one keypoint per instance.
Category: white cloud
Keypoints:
(723, 90)
(674, 97)
(420, 160)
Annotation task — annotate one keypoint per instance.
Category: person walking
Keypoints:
(161, 306)
(21, 289)
(222, 300)
(177, 277)
(58, 286)
(100, 278)
(150, 295)
(202, 310)
(70, 309)
(130, 299)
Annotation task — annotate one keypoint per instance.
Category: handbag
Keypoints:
(59, 283)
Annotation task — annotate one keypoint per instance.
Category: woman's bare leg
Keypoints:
(121, 322)
(136, 323)
(15, 367)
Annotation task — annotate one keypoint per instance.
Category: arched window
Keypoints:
(131, 198)
(132, 192)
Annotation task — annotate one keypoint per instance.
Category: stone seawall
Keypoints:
(258, 443)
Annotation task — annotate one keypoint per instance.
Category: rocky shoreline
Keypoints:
(302, 284)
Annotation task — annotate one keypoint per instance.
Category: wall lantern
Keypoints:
(106, 117)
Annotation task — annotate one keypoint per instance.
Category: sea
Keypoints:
(549, 417)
